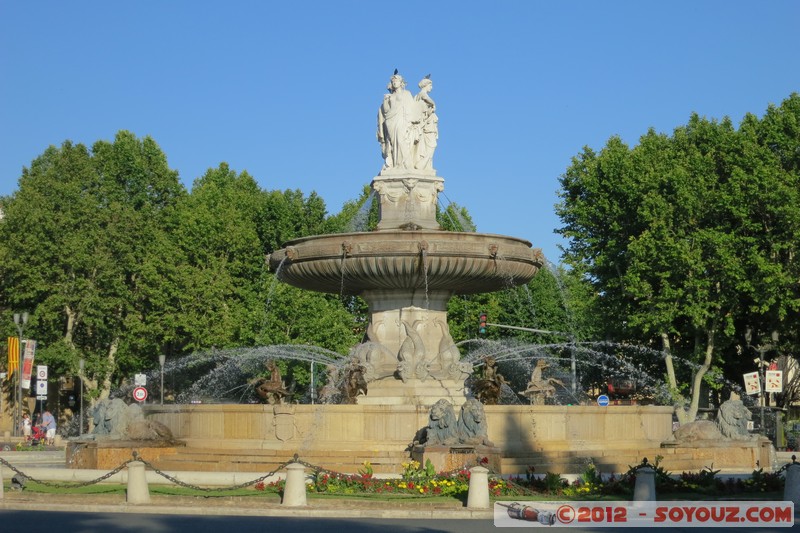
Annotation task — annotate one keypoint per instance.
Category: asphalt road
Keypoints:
(67, 522)
(82, 522)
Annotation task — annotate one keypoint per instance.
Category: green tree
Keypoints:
(677, 242)
(288, 215)
(218, 289)
(86, 248)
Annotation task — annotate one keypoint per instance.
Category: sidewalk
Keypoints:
(50, 466)
(238, 506)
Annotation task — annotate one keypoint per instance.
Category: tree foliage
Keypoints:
(85, 248)
(117, 263)
(687, 238)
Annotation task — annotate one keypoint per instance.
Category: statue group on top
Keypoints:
(408, 126)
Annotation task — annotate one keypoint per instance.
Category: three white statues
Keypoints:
(408, 126)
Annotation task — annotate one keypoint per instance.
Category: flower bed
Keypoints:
(418, 481)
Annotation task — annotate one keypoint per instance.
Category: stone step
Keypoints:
(238, 460)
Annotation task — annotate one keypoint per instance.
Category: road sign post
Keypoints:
(140, 394)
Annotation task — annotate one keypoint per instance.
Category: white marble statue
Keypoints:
(428, 128)
(399, 125)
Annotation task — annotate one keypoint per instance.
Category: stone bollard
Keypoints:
(478, 495)
(791, 490)
(645, 488)
(138, 492)
(294, 493)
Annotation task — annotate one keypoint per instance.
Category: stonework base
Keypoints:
(392, 391)
(449, 458)
(103, 454)
(547, 438)
(724, 454)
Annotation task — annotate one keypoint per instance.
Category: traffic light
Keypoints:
(482, 328)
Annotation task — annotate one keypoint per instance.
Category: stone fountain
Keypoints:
(407, 270)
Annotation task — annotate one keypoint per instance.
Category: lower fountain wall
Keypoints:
(341, 437)
(515, 429)
(560, 439)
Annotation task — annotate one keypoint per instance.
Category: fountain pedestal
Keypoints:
(408, 199)
(391, 391)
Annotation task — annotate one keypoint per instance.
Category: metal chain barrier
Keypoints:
(149, 465)
(66, 485)
(212, 489)
(294, 460)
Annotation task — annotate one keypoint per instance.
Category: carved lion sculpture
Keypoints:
(114, 419)
(472, 427)
(732, 419)
(731, 424)
(442, 427)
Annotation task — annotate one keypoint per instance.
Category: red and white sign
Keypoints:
(752, 385)
(774, 381)
(140, 394)
(27, 363)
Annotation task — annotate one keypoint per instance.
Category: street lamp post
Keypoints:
(161, 360)
(20, 321)
(81, 366)
(761, 349)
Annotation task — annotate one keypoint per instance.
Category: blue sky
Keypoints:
(289, 91)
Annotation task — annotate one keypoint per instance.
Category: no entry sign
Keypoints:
(140, 394)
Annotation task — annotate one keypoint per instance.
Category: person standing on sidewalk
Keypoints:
(49, 425)
(26, 426)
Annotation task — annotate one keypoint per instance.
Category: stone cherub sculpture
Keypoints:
(330, 390)
(272, 390)
(407, 126)
(540, 388)
(488, 388)
(354, 383)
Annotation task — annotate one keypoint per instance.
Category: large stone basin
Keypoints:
(426, 260)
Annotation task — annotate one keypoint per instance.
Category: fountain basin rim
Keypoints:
(407, 235)
(397, 260)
